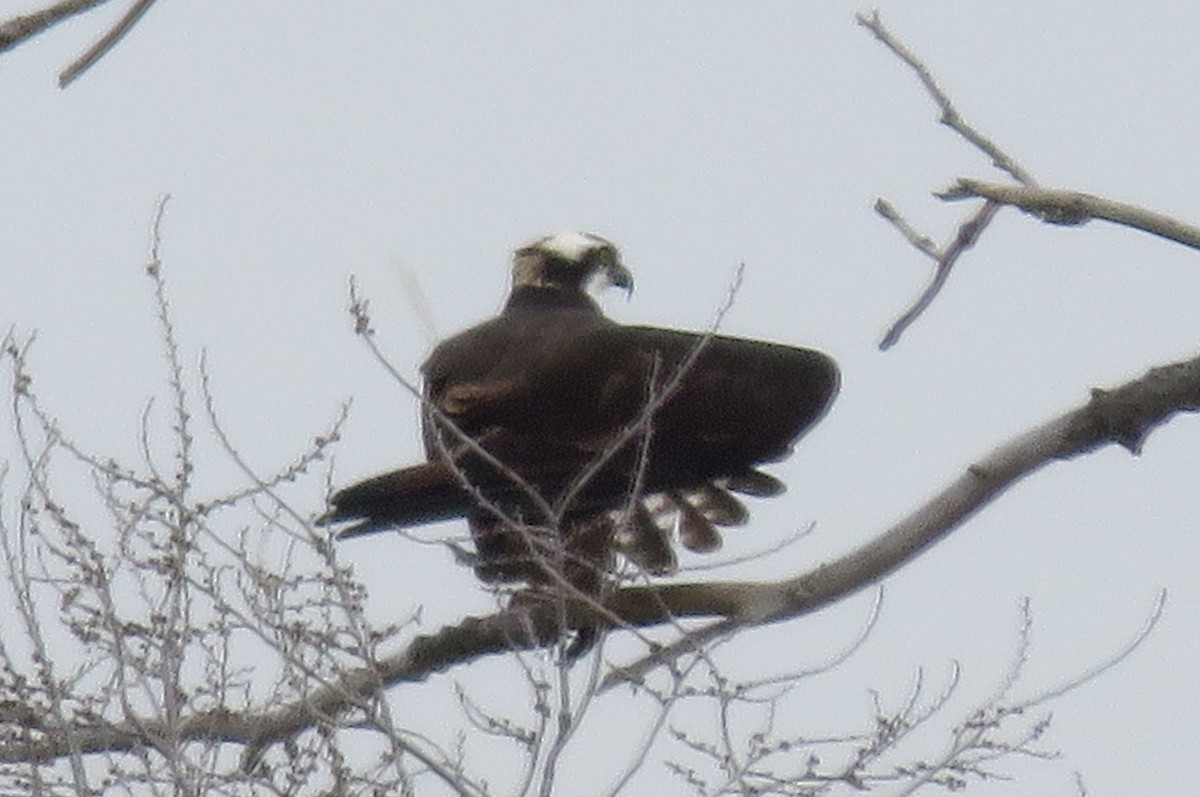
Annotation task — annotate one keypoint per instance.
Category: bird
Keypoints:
(569, 441)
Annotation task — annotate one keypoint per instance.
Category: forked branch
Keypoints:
(1050, 205)
(1124, 415)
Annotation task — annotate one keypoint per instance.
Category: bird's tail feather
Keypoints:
(406, 497)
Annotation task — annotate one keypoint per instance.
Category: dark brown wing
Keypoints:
(729, 405)
(549, 410)
(738, 404)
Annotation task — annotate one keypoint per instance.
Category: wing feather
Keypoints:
(548, 399)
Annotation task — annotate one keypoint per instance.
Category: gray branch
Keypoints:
(1124, 415)
(24, 27)
(1056, 206)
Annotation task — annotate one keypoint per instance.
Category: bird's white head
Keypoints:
(571, 260)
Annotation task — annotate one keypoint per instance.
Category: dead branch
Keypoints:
(20, 29)
(106, 42)
(1124, 415)
(1056, 206)
(950, 115)
(969, 230)
(24, 27)
(968, 233)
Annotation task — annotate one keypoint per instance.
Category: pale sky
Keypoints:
(306, 142)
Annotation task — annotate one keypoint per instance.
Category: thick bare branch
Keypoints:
(1124, 415)
(1057, 206)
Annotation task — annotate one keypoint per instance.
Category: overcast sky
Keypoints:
(305, 142)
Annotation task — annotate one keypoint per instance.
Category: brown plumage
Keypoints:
(545, 423)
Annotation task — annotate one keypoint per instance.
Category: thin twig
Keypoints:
(1095, 671)
(360, 311)
(949, 114)
(1124, 415)
(968, 234)
(106, 43)
(660, 396)
(969, 231)
(764, 552)
(182, 427)
(920, 241)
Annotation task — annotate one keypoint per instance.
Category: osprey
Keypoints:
(565, 438)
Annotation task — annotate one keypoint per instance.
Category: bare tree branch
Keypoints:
(107, 42)
(920, 241)
(968, 231)
(335, 685)
(1124, 415)
(1056, 206)
(950, 115)
(21, 28)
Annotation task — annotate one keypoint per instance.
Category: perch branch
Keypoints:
(1124, 415)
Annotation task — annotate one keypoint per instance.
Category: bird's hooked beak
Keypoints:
(619, 277)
